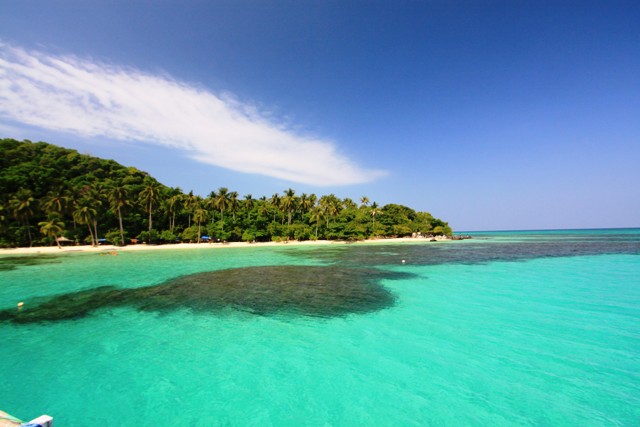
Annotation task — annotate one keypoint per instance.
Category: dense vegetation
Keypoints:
(47, 192)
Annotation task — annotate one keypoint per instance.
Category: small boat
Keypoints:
(7, 420)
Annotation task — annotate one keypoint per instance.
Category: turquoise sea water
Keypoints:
(508, 328)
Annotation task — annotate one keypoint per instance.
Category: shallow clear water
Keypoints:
(536, 328)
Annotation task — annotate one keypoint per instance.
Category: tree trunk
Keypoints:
(150, 224)
(90, 233)
(121, 228)
(26, 220)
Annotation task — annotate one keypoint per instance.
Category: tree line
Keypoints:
(49, 192)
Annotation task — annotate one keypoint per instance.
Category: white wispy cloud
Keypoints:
(87, 98)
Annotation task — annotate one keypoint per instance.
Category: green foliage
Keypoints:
(442, 230)
(167, 236)
(47, 190)
(190, 234)
(300, 231)
(113, 236)
(248, 236)
(152, 236)
(423, 222)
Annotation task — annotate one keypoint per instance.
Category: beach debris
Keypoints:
(318, 291)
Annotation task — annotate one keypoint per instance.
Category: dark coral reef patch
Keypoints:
(8, 263)
(320, 291)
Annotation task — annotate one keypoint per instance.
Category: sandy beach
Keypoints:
(53, 250)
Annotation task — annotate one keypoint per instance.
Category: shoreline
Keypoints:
(54, 250)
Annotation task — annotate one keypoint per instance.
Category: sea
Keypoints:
(536, 328)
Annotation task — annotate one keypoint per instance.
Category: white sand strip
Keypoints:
(52, 250)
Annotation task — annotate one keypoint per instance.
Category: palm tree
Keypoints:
(374, 211)
(364, 201)
(172, 206)
(289, 203)
(199, 216)
(324, 203)
(234, 204)
(316, 214)
(334, 207)
(189, 203)
(118, 196)
(312, 200)
(22, 205)
(73, 197)
(52, 228)
(54, 203)
(94, 195)
(331, 206)
(249, 203)
(349, 204)
(85, 214)
(3, 217)
(275, 203)
(263, 207)
(212, 201)
(148, 197)
(305, 204)
(222, 202)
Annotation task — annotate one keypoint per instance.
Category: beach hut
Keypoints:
(62, 240)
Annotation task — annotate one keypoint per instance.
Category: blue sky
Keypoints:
(488, 114)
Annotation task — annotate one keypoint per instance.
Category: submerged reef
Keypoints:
(320, 291)
(8, 263)
(477, 251)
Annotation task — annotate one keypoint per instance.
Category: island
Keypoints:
(55, 196)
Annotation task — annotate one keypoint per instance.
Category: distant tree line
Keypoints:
(48, 192)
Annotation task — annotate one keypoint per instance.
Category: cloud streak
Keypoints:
(89, 99)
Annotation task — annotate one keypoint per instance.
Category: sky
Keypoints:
(492, 115)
